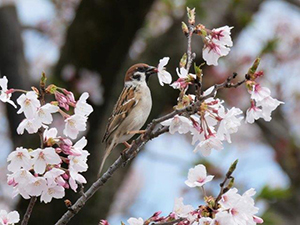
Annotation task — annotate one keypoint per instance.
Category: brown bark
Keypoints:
(12, 62)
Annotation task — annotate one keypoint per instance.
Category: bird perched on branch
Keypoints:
(131, 110)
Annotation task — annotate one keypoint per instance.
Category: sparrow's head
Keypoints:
(139, 73)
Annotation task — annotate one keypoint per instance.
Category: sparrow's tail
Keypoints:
(107, 152)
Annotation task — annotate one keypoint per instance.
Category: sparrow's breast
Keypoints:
(138, 116)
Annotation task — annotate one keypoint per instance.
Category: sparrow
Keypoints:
(131, 110)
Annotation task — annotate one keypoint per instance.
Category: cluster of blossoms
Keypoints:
(216, 41)
(262, 104)
(230, 208)
(56, 166)
(213, 123)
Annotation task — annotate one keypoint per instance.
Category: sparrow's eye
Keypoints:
(136, 77)
(141, 69)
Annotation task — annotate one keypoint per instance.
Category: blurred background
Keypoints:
(88, 45)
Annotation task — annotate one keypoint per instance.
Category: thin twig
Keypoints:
(29, 211)
(190, 55)
(227, 177)
(169, 222)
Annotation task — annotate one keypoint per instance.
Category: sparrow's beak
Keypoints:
(151, 70)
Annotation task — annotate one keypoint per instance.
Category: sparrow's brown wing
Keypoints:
(126, 102)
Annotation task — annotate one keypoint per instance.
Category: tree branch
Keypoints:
(135, 149)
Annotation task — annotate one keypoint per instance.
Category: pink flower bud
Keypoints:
(103, 222)
(257, 219)
(65, 176)
(70, 97)
(62, 100)
(12, 182)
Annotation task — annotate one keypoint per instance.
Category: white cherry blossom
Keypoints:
(82, 107)
(76, 178)
(258, 92)
(206, 146)
(268, 105)
(9, 218)
(205, 221)
(4, 95)
(74, 124)
(212, 51)
(77, 148)
(197, 176)
(53, 177)
(52, 191)
(229, 123)
(135, 221)
(20, 158)
(37, 186)
(32, 125)
(179, 124)
(78, 163)
(44, 113)
(222, 218)
(29, 104)
(253, 113)
(42, 157)
(241, 208)
(222, 36)
(180, 209)
(50, 133)
(163, 75)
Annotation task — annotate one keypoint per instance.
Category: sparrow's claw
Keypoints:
(127, 145)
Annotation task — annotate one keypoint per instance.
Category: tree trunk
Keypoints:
(12, 63)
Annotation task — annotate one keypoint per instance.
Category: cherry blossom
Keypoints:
(77, 148)
(206, 146)
(50, 135)
(197, 176)
(52, 191)
(82, 107)
(222, 218)
(179, 124)
(78, 163)
(42, 157)
(37, 186)
(44, 113)
(29, 104)
(268, 105)
(217, 45)
(53, 177)
(20, 179)
(229, 123)
(240, 208)
(258, 93)
(5, 95)
(163, 75)
(20, 158)
(184, 79)
(135, 221)
(205, 221)
(74, 124)
(76, 178)
(222, 36)
(9, 218)
(212, 51)
(31, 125)
(180, 209)
(253, 113)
